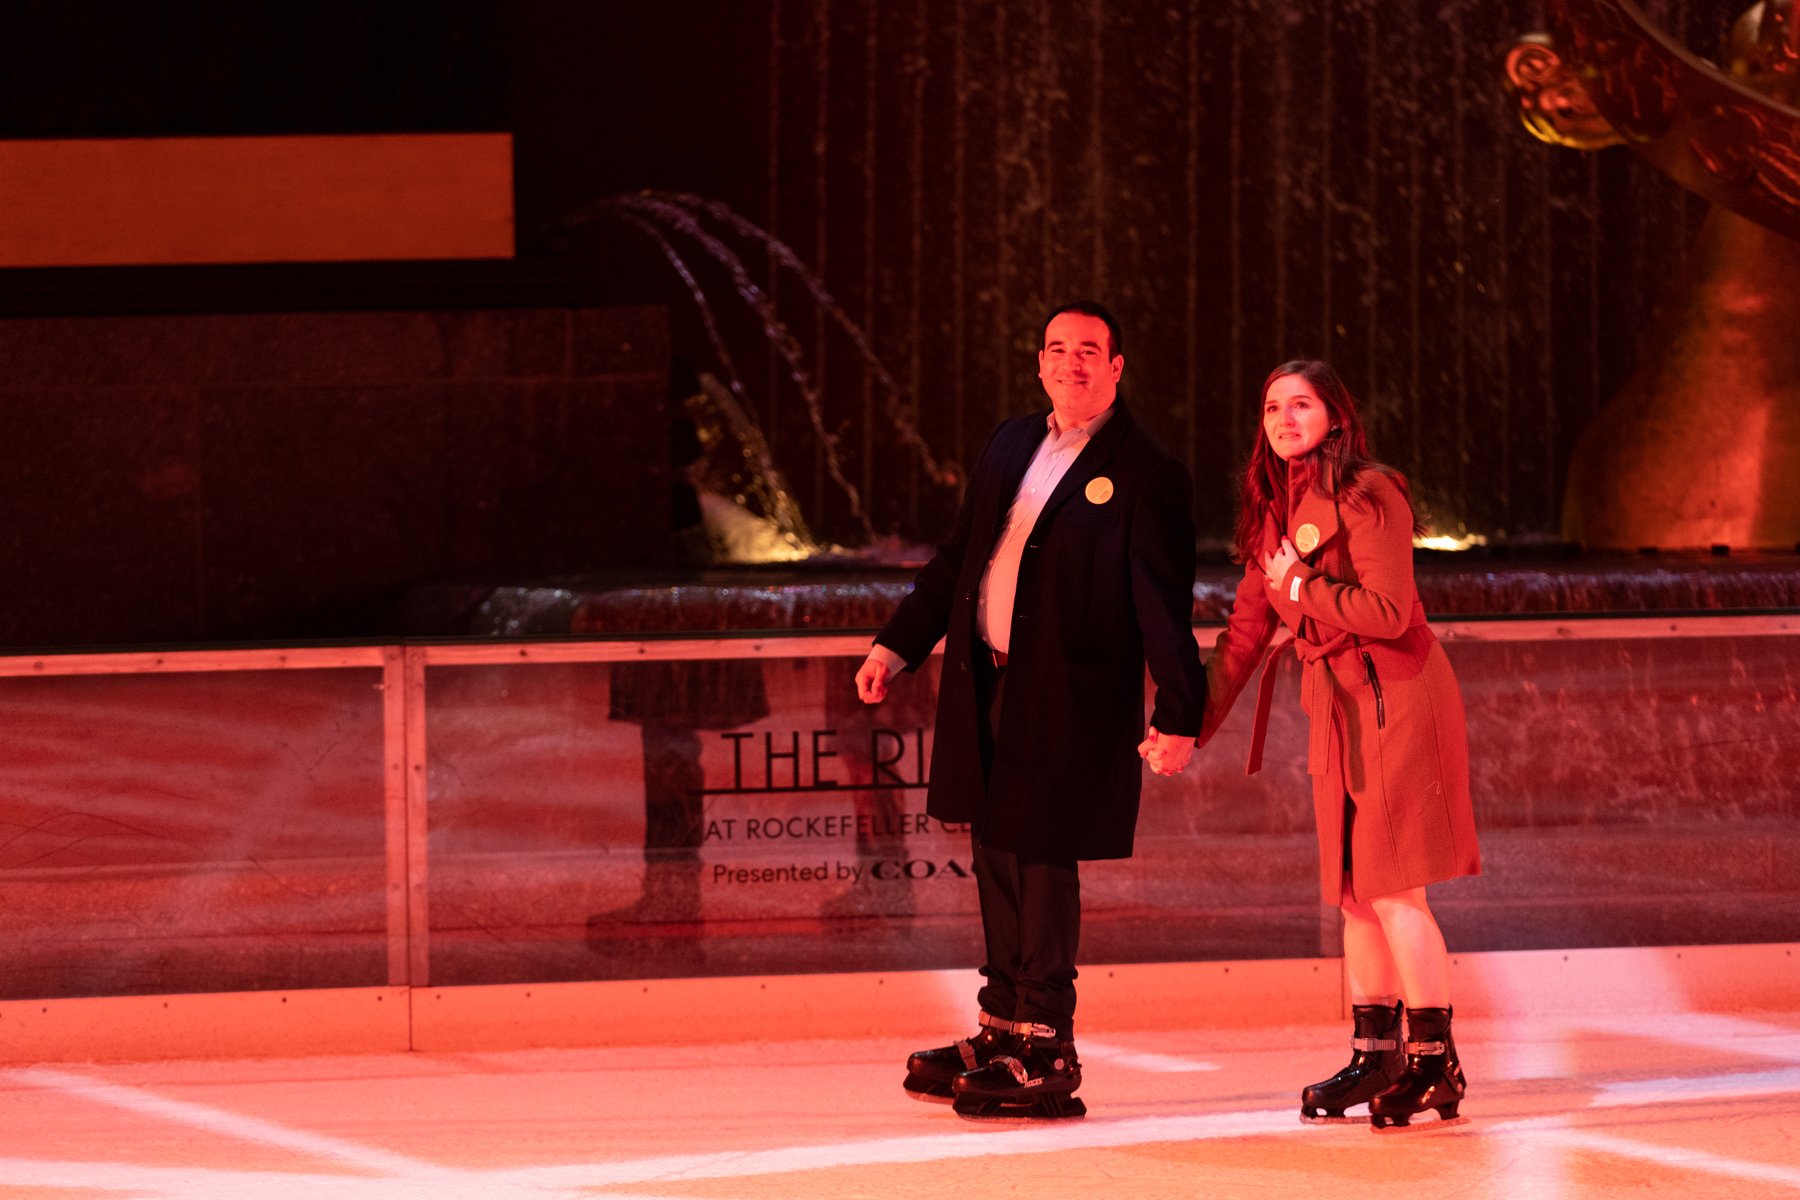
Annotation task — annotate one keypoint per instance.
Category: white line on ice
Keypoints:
(1716, 1031)
(397, 1176)
(1710, 1087)
(201, 1183)
(1162, 1064)
(966, 1142)
(404, 1179)
(417, 1177)
(1681, 1157)
(213, 1120)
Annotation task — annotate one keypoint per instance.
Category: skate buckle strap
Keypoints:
(1370, 1045)
(1022, 1028)
(1017, 1068)
(968, 1054)
(1427, 1047)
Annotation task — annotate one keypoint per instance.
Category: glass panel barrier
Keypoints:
(637, 819)
(748, 815)
(1634, 783)
(192, 832)
(612, 809)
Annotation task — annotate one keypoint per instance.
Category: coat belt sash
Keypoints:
(1315, 685)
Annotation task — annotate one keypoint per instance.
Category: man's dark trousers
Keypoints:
(1030, 909)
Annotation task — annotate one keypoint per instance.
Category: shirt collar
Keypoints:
(1087, 428)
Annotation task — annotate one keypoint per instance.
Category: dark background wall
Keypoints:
(1242, 181)
(288, 475)
(1245, 182)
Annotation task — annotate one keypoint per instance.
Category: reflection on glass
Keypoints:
(191, 833)
(589, 820)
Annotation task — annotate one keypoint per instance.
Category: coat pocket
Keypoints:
(1374, 682)
(1382, 664)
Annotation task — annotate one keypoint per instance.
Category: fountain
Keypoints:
(662, 215)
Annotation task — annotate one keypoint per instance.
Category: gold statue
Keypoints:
(1702, 445)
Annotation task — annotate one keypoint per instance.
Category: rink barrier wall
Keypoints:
(912, 1005)
(409, 1011)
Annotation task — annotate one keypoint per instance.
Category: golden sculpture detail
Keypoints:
(1702, 445)
(1551, 100)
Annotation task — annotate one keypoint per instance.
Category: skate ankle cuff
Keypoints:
(1030, 1029)
(1372, 1045)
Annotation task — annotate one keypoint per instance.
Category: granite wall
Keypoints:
(280, 475)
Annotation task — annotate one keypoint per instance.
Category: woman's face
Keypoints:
(1294, 418)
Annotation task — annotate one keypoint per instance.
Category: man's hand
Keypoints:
(1276, 566)
(1167, 753)
(872, 677)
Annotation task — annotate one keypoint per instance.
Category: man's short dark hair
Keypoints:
(1089, 308)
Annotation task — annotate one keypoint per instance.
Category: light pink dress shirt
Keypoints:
(1000, 582)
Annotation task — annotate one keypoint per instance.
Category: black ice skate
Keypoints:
(930, 1073)
(1375, 1063)
(1035, 1082)
(1432, 1080)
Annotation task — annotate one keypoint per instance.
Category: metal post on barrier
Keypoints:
(418, 911)
(394, 776)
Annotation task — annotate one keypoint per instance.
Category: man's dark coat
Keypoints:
(1105, 584)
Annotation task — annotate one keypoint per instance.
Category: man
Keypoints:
(1071, 564)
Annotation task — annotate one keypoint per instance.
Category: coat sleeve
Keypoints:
(1162, 595)
(923, 616)
(1239, 648)
(1379, 541)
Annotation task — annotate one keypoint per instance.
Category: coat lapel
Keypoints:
(1091, 462)
(1015, 458)
(1315, 522)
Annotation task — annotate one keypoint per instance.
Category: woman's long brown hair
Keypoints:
(1335, 468)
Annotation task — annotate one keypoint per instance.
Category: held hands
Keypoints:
(1167, 753)
(1276, 566)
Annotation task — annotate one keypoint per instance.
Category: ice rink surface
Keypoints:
(1644, 1104)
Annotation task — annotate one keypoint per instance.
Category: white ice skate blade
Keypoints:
(1418, 1126)
(1005, 1120)
(930, 1097)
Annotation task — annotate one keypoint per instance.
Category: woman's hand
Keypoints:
(1276, 566)
(1166, 753)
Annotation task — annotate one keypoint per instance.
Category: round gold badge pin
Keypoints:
(1306, 538)
(1099, 490)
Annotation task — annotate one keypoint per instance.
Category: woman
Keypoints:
(1325, 535)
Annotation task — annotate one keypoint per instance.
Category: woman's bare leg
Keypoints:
(1415, 946)
(1369, 964)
